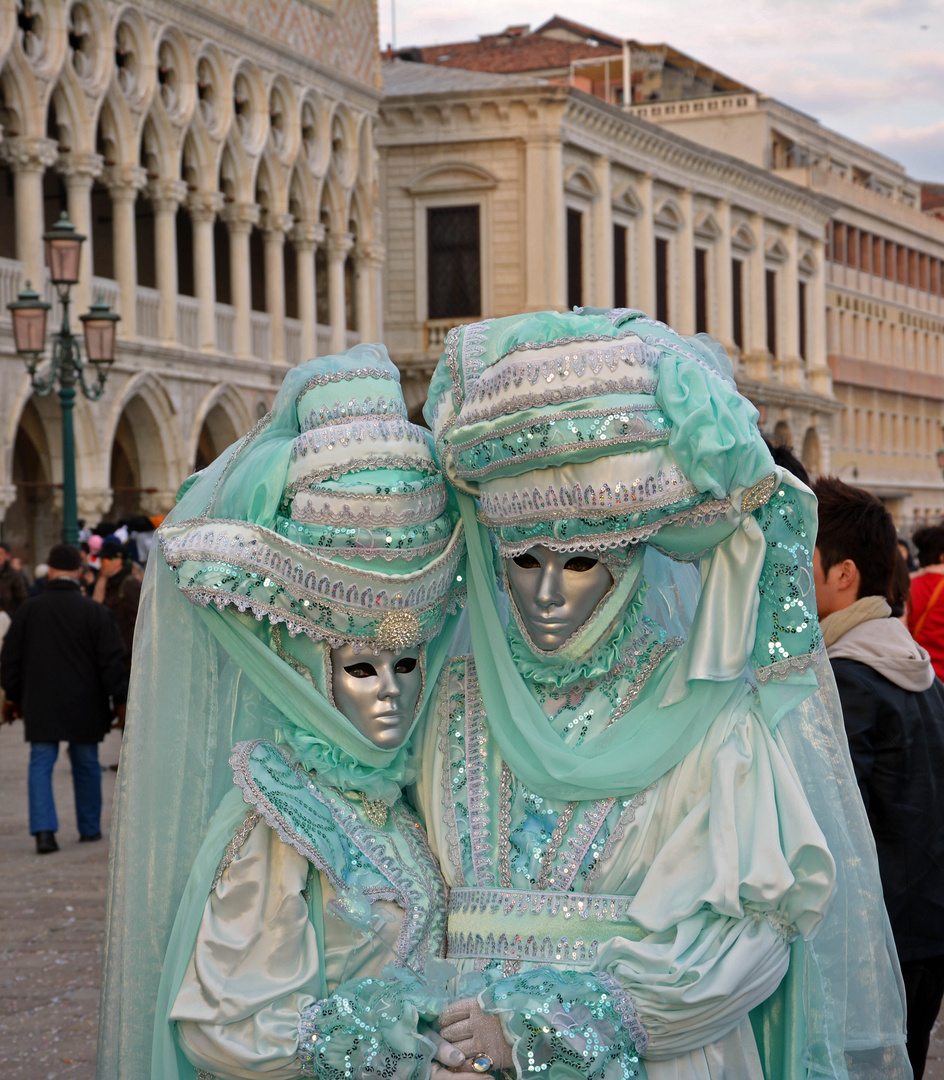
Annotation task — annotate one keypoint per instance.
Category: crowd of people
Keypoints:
(79, 612)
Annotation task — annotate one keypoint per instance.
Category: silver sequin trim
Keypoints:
(253, 817)
(478, 796)
(345, 376)
(792, 665)
(623, 1004)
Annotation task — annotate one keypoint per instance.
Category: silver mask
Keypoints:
(555, 592)
(377, 693)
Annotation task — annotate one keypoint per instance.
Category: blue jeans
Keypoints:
(86, 782)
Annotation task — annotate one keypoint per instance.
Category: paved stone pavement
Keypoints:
(51, 913)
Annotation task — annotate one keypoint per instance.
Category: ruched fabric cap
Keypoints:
(331, 516)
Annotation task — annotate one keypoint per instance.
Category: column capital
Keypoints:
(205, 205)
(279, 224)
(167, 194)
(240, 217)
(372, 252)
(308, 235)
(339, 245)
(125, 181)
(29, 153)
(80, 170)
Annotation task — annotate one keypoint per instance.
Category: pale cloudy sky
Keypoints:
(871, 69)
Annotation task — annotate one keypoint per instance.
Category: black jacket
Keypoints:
(896, 738)
(13, 589)
(62, 659)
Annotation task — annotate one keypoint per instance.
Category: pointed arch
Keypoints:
(228, 417)
(236, 175)
(23, 104)
(76, 124)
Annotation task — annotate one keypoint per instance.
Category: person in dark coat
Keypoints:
(63, 667)
(14, 587)
(893, 711)
(118, 589)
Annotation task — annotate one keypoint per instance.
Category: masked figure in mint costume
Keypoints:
(292, 628)
(638, 789)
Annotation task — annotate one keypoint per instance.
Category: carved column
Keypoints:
(240, 218)
(124, 182)
(545, 225)
(375, 254)
(166, 196)
(792, 364)
(338, 248)
(820, 376)
(363, 290)
(723, 328)
(203, 207)
(277, 225)
(685, 308)
(757, 356)
(306, 236)
(29, 158)
(643, 285)
(80, 172)
(601, 254)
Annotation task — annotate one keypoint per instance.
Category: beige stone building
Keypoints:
(504, 193)
(220, 157)
(884, 288)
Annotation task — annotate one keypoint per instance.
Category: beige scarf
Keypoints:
(841, 622)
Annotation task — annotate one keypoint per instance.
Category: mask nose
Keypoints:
(549, 592)
(389, 684)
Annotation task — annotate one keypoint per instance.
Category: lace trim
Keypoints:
(704, 514)
(308, 1036)
(345, 376)
(448, 801)
(322, 509)
(626, 1010)
(577, 365)
(451, 353)
(476, 773)
(518, 947)
(678, 347)
(578, 846)
(641, 676)
(357, 431)
(253, 817)
(561, 394)
(553, 845)
(569, 340)
(473, 349)
(586, 501)
(504, 828)
(337, 470)
(528, 904)
(391, 554)
(782, 669)
(626, 817)
(343, 412)
(758, 494)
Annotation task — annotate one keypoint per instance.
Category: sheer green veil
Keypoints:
(597, 431)
(328, 523)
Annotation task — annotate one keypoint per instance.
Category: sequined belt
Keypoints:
(549, 927)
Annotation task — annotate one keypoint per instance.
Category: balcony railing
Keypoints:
(435, 330)
(226, 329)
(260, 325)
(147, 312)
(188, 322)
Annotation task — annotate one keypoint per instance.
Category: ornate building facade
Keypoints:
(219, 156)
(505, 193)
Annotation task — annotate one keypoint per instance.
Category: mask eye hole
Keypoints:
(405, 665)
(527, 561)
(361, 671)
(581, 564)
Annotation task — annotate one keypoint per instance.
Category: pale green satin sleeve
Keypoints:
(254, 968)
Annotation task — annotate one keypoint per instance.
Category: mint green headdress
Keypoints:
(327, 524)
(606, 432)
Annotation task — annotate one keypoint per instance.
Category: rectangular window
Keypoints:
(574, 258)
(878, 251)
(865, 252)
(770, 282)
(737, 302)
(453, 262)
(801, 299)
(839, 242)
(620, 284)
(701, 291)
(662, 279)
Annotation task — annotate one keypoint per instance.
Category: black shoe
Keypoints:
(90, 839)
(46, 843)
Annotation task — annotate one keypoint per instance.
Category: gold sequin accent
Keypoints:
(759, 494)
(398, 630)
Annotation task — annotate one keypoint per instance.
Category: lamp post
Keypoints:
(67, 370)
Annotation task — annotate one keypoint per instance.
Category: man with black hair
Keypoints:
(893, 711)
(62, 668)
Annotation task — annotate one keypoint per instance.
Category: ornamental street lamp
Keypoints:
(67, 370)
